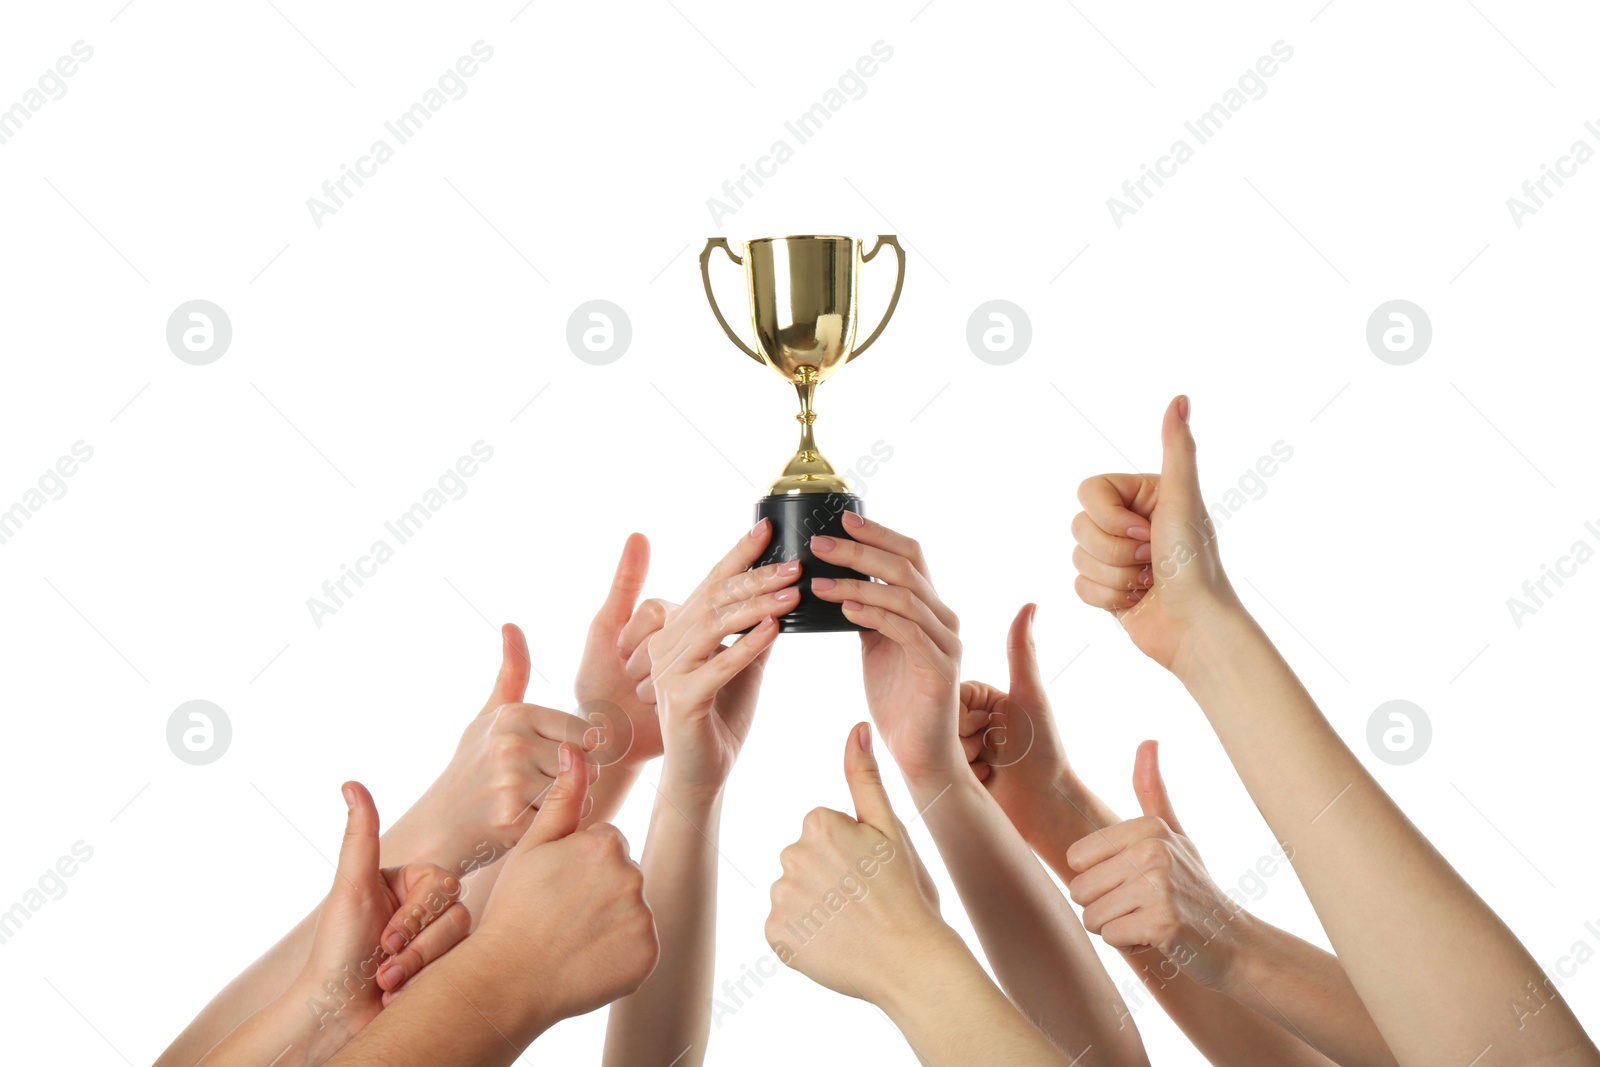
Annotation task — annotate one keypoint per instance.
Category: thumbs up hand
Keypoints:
(1143, 887)
(855, 902)
(612, 682)
(567, 926)
(1015, 749)
(1147, 551)
(503, 765)
(376, 929)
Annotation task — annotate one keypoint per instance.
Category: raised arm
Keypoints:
(855, 911)
(1443, 977)
(1146, 891)
(706, 696)
(911, 658)
(376, 929)
(489, 790)
(1018, 752)
(565, 930)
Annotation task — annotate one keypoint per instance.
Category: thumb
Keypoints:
(1152, 791)
(562, 809)
(1023, 656)
(358, 852)
(1180, 476)
(626, 584)
(511, 684)
(866, 783)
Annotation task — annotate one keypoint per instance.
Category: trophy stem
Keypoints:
(805, 384)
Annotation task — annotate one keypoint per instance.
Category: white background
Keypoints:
(369, 353)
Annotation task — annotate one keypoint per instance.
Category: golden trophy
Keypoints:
(803, 304)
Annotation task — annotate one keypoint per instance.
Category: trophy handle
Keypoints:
(899, 280)
(705, 274)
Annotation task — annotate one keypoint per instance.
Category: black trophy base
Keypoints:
(795, 521)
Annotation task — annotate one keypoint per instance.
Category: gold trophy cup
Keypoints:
(803, 305)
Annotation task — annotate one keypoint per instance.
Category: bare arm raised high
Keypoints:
(1200, 954)
(1438, 970)
(911, 662)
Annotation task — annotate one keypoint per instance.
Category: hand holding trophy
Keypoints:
(803, 306)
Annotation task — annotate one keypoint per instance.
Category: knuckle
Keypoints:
(510, 747)
(1150, 825)
(609, 839)
(815, 822)
(456, 920)
(1080, 526)
(505, 818)
(1153, 855)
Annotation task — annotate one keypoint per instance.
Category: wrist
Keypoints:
(926, 973)
(1211, 636)
(696, 801)
(1065, 812)
(931, 785)
(514, 993)
(314, 1020)
(1245, 945)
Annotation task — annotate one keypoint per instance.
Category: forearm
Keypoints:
(1225, 1031)
(1435, 966)
(613, 782)
(285, 1033)
(1039, 950)
(953, 1016)
(254, 988)
(468, 1009)
(668, 1019)
(1295, 984)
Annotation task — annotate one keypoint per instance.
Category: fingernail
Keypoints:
(768, 623)
(349, 798)
(1139, 533)
(822, 585)
(392, 974)
(394, 943)
(789, 568)
(1183, 408)
(853, 605)
(821, 543)
(784, 596)
(755, 531)
(564, 759)
(1142, 552)
(1136, 594)
(1146, 578)
(864, 732)
(853, 521)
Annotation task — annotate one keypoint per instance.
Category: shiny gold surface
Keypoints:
(803, 304)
